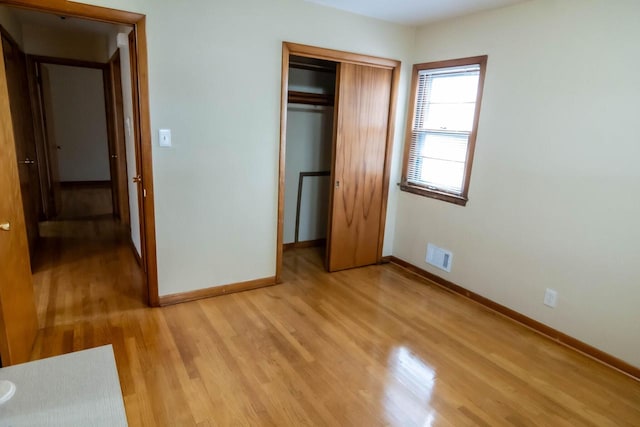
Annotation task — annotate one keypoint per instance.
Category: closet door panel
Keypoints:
(362, 116)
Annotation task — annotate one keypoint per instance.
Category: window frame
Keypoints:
(462, 198)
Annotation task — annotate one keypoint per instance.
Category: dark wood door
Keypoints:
(118, 149)
(18, 318)
(361, 126)
(52, 147)
(107, 82)
(22, 119)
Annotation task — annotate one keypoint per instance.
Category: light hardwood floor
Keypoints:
(364, 347)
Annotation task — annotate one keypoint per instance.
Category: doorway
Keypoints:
(17, 305)
(76, 149)
(358, 152)
(140, 120)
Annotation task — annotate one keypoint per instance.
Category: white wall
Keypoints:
(79, 122)
(553, 201)
(309, 138)
(60, 43)
(216, 84)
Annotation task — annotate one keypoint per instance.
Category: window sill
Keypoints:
(434, 194)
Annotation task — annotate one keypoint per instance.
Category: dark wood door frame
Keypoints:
(289, 49)
(140, 86)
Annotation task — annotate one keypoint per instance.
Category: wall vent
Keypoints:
(438, 257)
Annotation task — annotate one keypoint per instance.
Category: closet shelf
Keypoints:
(295, 97)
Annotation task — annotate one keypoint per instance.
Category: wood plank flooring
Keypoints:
(364, 347)
(82, 201)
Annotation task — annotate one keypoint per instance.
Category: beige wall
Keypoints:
(555, 184)
(214, 70)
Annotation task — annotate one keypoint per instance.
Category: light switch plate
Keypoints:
(164, 137)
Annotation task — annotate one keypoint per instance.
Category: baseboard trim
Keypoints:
(305, 244)
(216, 291)
(528, 322)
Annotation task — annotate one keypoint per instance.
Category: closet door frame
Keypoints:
(289, 49)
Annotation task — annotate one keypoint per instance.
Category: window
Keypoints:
(442, 128)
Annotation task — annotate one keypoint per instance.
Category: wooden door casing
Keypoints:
(360, 146)
(18, 317)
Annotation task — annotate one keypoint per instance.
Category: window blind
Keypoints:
(443, 121)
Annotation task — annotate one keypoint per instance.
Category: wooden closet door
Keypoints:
(18, 318)
(22, 119)
(361, 125)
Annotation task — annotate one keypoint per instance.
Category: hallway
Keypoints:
(84, 272)
(369, 346)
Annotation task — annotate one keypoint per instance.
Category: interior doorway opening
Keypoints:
(33, 174)
(75, 161)
(70, 101)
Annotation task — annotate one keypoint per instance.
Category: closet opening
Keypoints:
(310, 118)
(336, 131)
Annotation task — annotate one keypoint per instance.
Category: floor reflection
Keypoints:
(410, 385)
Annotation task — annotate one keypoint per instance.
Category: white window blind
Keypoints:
(443, 121)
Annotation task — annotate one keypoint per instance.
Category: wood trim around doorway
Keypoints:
(141, 85)
(67, 61)
(296, 49)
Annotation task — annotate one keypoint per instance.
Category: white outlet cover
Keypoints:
(551, 298)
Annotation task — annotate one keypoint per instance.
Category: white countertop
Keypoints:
(76, 389)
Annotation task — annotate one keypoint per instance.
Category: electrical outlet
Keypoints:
(551, 298)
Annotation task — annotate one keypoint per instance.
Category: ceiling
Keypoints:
(415, 12)
(412, 12)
